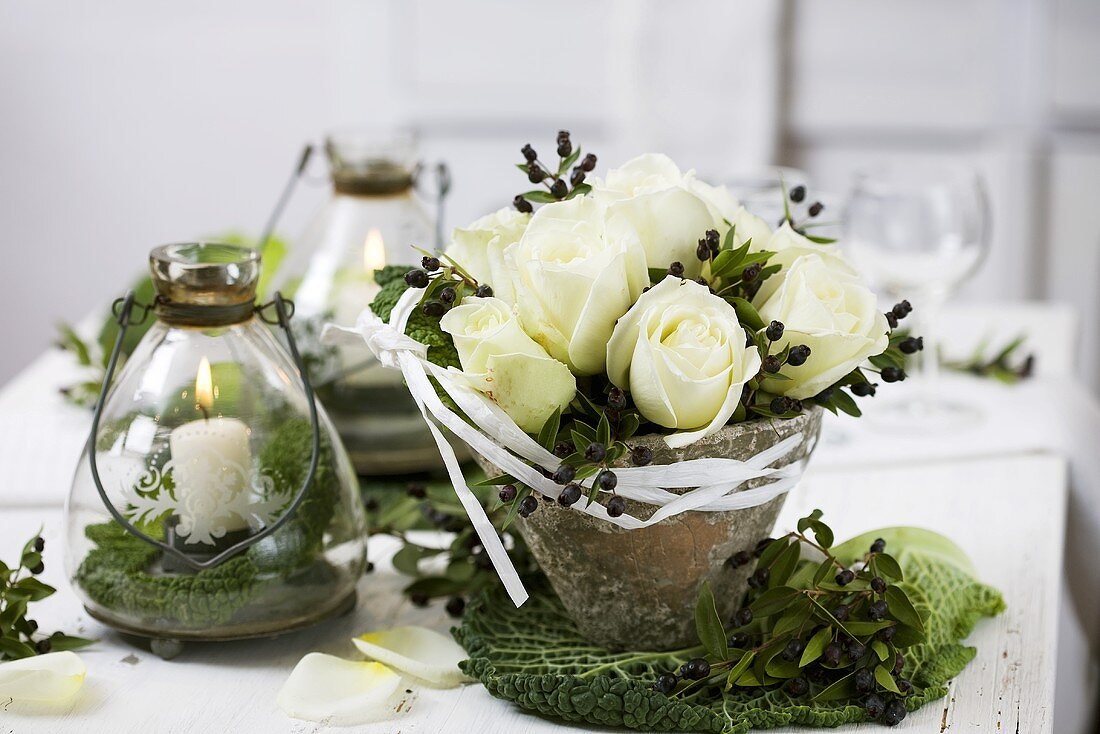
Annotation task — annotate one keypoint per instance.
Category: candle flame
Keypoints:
(374, 251)
(204, 386)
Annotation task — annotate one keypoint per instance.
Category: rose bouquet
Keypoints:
(647, 356)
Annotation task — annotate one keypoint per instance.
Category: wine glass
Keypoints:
(917, 235)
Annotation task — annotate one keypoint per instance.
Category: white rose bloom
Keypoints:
(788, 246)
(575, 271)
(681, 353)
(479, 248)
(651, 193)
(824, 306)
(749, 226)
(722, 204)
(500, 360)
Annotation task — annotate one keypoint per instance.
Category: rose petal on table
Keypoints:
(417, 651)
(323, 687)
(51, 678)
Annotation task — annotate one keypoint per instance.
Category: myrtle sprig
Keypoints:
(19, 635)
(445, 283)
(561, 183)
(791, 201)
(589, 440)
(1000, 366)
(815, 629)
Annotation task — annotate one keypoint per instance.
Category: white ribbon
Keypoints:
(498, 439)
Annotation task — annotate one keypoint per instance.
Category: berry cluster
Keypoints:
(588, 444)
(561, 182)
(444, 285)
(791, 200)
(823, 629)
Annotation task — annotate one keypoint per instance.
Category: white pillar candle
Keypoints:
(212, 466)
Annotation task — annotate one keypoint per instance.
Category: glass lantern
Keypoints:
(214, 499)
(374, 218)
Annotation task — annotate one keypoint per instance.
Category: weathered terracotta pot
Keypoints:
(636, 589)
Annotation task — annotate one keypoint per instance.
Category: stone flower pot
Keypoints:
(636, 589)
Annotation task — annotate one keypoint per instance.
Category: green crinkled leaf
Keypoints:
(535, 657)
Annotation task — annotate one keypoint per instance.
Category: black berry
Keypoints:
(559, 189)
(842, 612)
(434, 309)
(577, 177)
(845, 577)
(740, 558)
(484, 291)
(588, 163)
(892, 320)
(797, 687)
(456, 605)
(877, 610)
(430, 263)
(887, 634)
(507, 493)
(772, 364)
(738, 639)
(911, 344)
(899, 662)
(666, 683)
(595, 452)
(563, 449)
(743, 616)
(864, 680)
(616, 399)
(798, 193)
(894, 713)
(528, 505)
(761, 576)
(878, 584)
(815, 208)
(417, 279)
(695, 669)
(570, 493)
(39, 544)
(607, 480)
(774, 332)
(874, 706)
(565, 148)
(43, 646)
(856, 650)
(419, 599)
(564, 474)
(448, 295)
(676, 269)
(702, 251)
(831, 654)
(529, 153)
(892, 374)
(416, 490)
(793, 650)
(616, 506)
(863, 389)
(798, 355)
(522, 205)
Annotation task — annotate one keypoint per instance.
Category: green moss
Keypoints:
(116, 574)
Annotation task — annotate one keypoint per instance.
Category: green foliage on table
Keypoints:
(425, 329)
(19, 587)
(535, 657)
(118, 573)
(461, 568)
(1004, 365)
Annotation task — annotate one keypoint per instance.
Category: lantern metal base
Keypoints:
(169, 643)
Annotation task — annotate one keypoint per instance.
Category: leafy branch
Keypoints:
(19, 587)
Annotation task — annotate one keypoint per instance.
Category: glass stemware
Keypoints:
(917, 236)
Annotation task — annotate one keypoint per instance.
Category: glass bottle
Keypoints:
(214, 499)
(374, 218)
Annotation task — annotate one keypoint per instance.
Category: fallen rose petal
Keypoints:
(325, 687)
(51, 678)
(417, 651)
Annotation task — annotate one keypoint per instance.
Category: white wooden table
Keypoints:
(1007, 511)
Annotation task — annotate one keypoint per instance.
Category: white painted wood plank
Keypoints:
(1008, 514)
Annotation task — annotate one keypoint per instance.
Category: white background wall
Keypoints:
(127, 124)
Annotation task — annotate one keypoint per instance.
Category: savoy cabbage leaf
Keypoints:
(534, 657)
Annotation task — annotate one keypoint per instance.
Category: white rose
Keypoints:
(722, 204)
(788, 246)
(479, 248)
(681, 353)
(500, 360)
(824, 306)
(650, 192)
(574, 273)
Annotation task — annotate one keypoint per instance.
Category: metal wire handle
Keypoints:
(283, 311)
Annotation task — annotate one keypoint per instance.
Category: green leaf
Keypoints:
(567, 162)
(548, 435)
(862, 629)
(887, 567)
(656, 275)
(628, 426)
(739, 669)
(36, 589)
(844, 688)
(902, 609)
(603, 431)
(774, 601)
(747, 314)
(881, 650)
(498, 480)
(816, 646)
(882, 675)
(796, 615)
(60, 643)
(772, 551)
(820, 240)
(785, 565)
(539, 197)
(578, 191)
(14, 649)
(845, 402)
(406, 559)
(708, 625)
